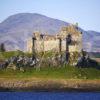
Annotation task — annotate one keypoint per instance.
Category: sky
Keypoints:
(84, 12)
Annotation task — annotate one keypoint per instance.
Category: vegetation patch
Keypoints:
(68, 72)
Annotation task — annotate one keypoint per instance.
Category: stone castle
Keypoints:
(46, 42)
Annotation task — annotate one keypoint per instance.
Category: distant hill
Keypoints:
(16, 29)
(91, 41)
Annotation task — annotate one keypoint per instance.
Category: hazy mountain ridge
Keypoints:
(16, 29)
(30, 22)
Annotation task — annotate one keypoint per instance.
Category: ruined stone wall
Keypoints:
(52, 42)
(47, 45)
(53, 45)
(29, 45)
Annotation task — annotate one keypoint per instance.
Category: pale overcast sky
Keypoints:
(85, 12)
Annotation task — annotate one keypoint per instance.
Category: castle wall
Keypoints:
(47, 45)
(29, 45)
(53, 45)
(72, 48)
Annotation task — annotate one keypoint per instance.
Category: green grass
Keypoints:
(6, 55)
(68, 72)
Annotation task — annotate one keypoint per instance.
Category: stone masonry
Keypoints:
(51, 42)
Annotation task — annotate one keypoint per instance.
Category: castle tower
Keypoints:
(72, 42)
(76, 44)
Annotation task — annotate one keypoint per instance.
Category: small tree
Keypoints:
(2, 47)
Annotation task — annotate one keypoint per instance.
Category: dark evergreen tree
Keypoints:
(2, 47)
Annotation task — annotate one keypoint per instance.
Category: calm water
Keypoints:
(49, 96)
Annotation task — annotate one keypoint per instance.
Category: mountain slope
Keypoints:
(30, 22)
(91, 41)
(16, 29)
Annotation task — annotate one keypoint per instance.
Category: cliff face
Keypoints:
(15, 30)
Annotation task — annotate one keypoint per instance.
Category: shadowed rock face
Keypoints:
(15, 30)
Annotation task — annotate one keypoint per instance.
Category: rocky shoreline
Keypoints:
(38, 84)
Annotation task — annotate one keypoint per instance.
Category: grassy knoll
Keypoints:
(67, 72)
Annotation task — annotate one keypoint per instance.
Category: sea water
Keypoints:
(49, 95)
